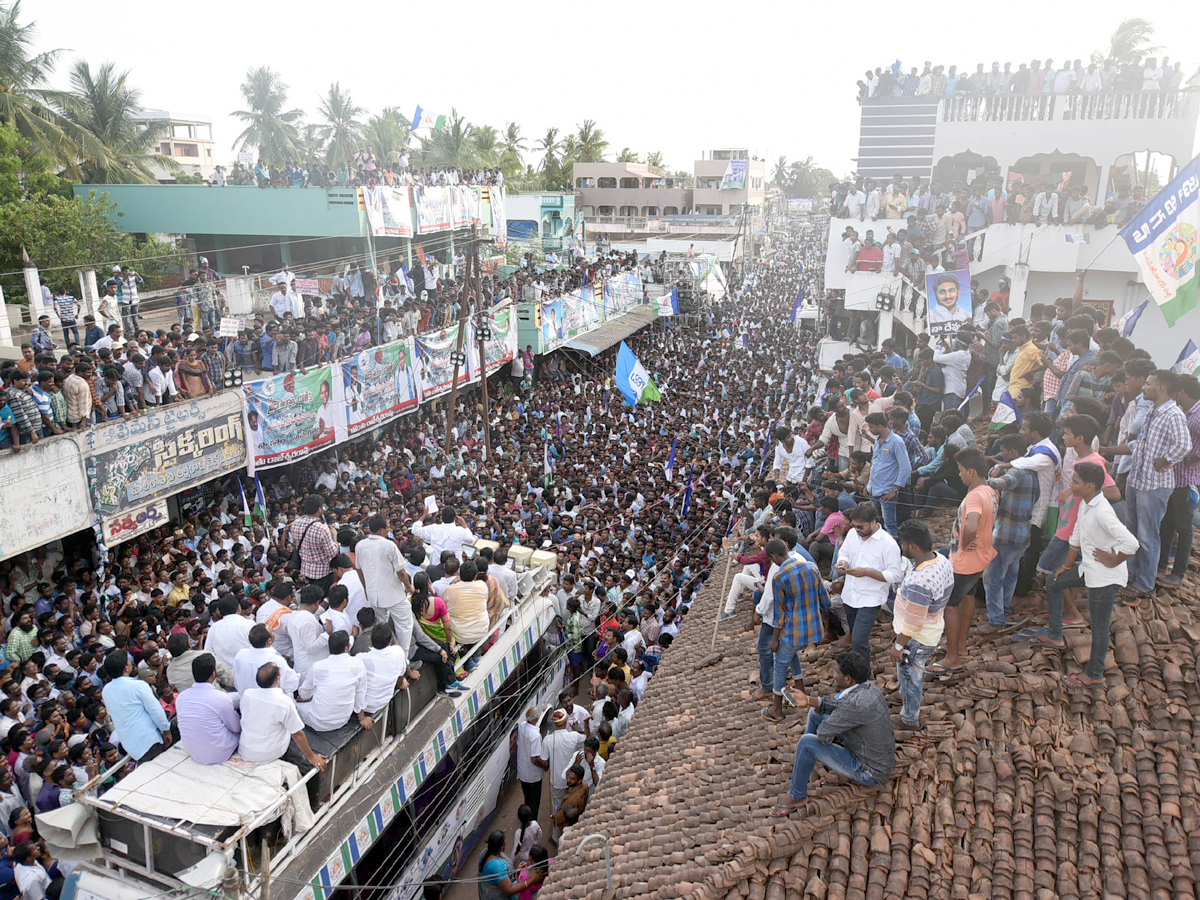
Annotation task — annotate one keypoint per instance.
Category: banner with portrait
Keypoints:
(291, 416)
(622, 292)
(499, 221)
(388, 212)
(464, 207)
(165, 451)
(735, 175)
(433, 208)
(435, 363)
(379, 384)
(949, 298)
(552, 324)
(501, 346)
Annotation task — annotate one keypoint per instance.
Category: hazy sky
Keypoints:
(680, 77)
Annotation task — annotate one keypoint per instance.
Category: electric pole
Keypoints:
(464, 310)
(484, 325)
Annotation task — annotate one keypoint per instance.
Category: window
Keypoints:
(585, 182)
(630, 182)
(608, 182)
(165, 148)
(649, 211)
(670, 210)
(187, 150)
(630, 211)
(606, 210)
(710, 183)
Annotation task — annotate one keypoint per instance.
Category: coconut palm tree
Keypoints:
(29, 105)
(487, 145)
(387, 134)
(549, 146)
(511, 162)
(655, 160)
(103, 103)
(271, 129)
(627, 156)
(310, 147)
(591, 142)
(452, 146)
(1129, 43)
(780, 173)
(342, 128)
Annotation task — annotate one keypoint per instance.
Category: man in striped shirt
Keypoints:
(800, 607)
(1176, 531)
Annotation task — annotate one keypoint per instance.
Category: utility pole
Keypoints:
(464, 310)
(483, 324)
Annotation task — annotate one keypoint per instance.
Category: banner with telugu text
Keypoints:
(379, 384)
(292, 416)
(435, 365)
(433, 208)
(388, 211)
(464, 206)
(165, 451)
(501, 348)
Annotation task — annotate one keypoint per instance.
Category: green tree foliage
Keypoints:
(271, 129)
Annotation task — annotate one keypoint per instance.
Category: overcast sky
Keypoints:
(680, 77)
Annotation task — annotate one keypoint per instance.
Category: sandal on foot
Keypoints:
(1076, 681)
(940, 668)
(1043, 640)
(769, 715)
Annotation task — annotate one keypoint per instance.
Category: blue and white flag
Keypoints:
(1188, 359)
(671, 460)
(633, 381)
(1129, 321)
(799, 301)
(424, 118)
(546, 464)
(687, 494)
(1006, 413)
(245, 505)
(558, 417)
(766, 450)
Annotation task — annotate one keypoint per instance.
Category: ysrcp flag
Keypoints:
(633, 381)
(1188, 359)
(1006, 413)
(424, 118)
(1162, 238)
(1129, 321)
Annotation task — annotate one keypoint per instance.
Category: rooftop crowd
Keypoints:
(309, 616)
(1035, 77)
(364, 169)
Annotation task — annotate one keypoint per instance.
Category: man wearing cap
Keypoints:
(558, 749)
(530, 764)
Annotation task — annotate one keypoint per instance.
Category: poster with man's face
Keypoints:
(949, 296)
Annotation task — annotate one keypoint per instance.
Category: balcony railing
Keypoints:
(1107, 105)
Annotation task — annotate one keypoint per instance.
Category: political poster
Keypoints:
(230, 326)
(310, 286)
(127, 525)
(735, 175)
(552, 323)
(949, 297)
(1163, 240)
(292, 416)
(435, 363)
(496, 200)
(433, 208)
(464, 208)
(621, 293)
(388, 211)
(165, 451)
(501, 346)
(379, 384)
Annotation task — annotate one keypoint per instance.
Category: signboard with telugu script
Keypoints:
(129, 524)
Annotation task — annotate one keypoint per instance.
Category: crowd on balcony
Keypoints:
(937, 226)
(363, 170)
(1036, 77)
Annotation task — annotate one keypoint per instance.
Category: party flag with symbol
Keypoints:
(1188, 359)
(424, 118)
(687, 494)
(245, 505)
(671, 460)
(633, 380)
(1129, 321)
(799, 302)
(1006, 413)
(546, 464)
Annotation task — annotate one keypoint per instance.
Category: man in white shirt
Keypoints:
(272, 612)
(281, 304)
(577, 716)
(272, 729)
(310, 640)
(499, 570)
(641, 678)
(870, 562)
(260, 652)
(449, 534)
(230, 634)
(558, 749)
(1099, 547)
(387, 669)
(792, 450)
(530, 763)
(347, 576)
(334, 689)
(385, 578)
(590, 760)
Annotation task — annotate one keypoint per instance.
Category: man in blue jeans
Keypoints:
(800, 604)
(1018, 490)
(764, 608)
(851, 732)
(891, 469)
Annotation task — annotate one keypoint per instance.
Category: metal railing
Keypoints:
(1127, 105)
(1092, 106)
(1008, 108)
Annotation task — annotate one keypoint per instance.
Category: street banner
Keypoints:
(292, 416)
(165, 451)
(464, 206)
(496, 200)
(553, 320)
(1162, 238)
(127, 525)
(949, 297)
(433, 208)
(379, 384)
(501, 348)
(435, 363)
(735, 175)
(388, 212)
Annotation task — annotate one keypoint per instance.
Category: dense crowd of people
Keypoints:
(1036, 77)
(240, 637)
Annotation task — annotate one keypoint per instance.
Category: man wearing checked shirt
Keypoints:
(800, 604)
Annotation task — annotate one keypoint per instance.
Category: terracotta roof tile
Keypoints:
(1016, 788)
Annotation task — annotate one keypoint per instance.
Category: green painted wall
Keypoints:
(199, 209)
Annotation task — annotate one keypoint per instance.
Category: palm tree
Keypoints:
(487, 145)
(452, 146)
(310, 147)
(511, 162)
(270, 129)
(341, 129)
(1129, 43)
(549, 146)
(591, 142)
(387, 134)
(28, 104)
(780, 174)
(569, 152)
(655, 160)
(627, 156)
(103, 104)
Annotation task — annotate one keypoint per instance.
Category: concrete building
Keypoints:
(746, 184)
(186, 139)
(550, 216)
(615, 193)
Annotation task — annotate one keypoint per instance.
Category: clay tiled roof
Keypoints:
(1016, 788)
